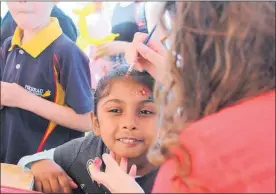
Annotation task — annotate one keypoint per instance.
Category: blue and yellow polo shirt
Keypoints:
(50, 66)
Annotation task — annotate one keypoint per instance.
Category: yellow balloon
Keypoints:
(85, 39)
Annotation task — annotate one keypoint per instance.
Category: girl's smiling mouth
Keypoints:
(130, 141)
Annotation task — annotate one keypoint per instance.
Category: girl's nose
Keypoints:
(129, 127)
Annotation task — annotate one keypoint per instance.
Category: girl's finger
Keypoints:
(64, 183)
(46, 187)
(55, 186)
(38, 185)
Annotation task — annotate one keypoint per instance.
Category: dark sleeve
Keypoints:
(3, 55)
(66, 23)
(66, 154)
(1, 62)
(75, 79)
(8, 26)
(68, 28)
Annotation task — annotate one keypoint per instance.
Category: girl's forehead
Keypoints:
(127, 90)
(129, 86)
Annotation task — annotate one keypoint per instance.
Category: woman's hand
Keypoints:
(110, 48)
(115, 177)
(51, 178)
(148, 57)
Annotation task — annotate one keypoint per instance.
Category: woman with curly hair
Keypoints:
(217, 101)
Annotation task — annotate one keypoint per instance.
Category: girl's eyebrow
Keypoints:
(113, 100)
(149, 100)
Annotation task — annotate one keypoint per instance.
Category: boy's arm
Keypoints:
(75, 79)
(59, 114)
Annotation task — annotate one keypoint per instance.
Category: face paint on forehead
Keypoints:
(143, 92)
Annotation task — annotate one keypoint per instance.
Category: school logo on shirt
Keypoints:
(88, 163)
(38, 91)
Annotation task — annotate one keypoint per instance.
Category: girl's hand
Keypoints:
(115, 177)
(51, 178)
(148, 57)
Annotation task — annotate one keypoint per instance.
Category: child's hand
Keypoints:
(51, 178)
(110, 48)
(12, 94)
(115, 177)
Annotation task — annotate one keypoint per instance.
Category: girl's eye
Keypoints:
(146, 112)
(115, 111)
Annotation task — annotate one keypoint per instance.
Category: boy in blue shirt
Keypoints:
(45, 84)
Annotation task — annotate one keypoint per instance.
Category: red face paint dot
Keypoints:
(143, 92)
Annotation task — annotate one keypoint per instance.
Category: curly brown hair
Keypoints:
(227, 54)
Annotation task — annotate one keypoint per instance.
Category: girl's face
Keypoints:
(126, 118)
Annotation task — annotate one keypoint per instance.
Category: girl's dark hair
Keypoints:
(224, 52)
(105, 83)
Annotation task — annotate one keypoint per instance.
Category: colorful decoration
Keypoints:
(144, 92)
(85, 39)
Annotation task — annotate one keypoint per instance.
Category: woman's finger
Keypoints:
(98, 163)
(139, 37)
(131, 57)
(133, 171)
(97, 175)
(113, 155)
(123, 164)
(150, 55)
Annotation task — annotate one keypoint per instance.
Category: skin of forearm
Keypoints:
(62, 115)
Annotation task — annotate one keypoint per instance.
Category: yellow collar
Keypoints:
(40, 41)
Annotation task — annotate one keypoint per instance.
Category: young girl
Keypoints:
(221, 72)
(124, 122)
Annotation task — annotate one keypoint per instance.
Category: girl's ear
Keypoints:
(95, 124)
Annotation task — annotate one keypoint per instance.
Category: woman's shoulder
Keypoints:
(245, 118)
(230, 151)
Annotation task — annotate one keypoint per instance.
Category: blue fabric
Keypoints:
(21, 130)
(26, 161)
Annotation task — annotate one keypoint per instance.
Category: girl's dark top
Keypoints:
(75, 156)
(68, 27)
